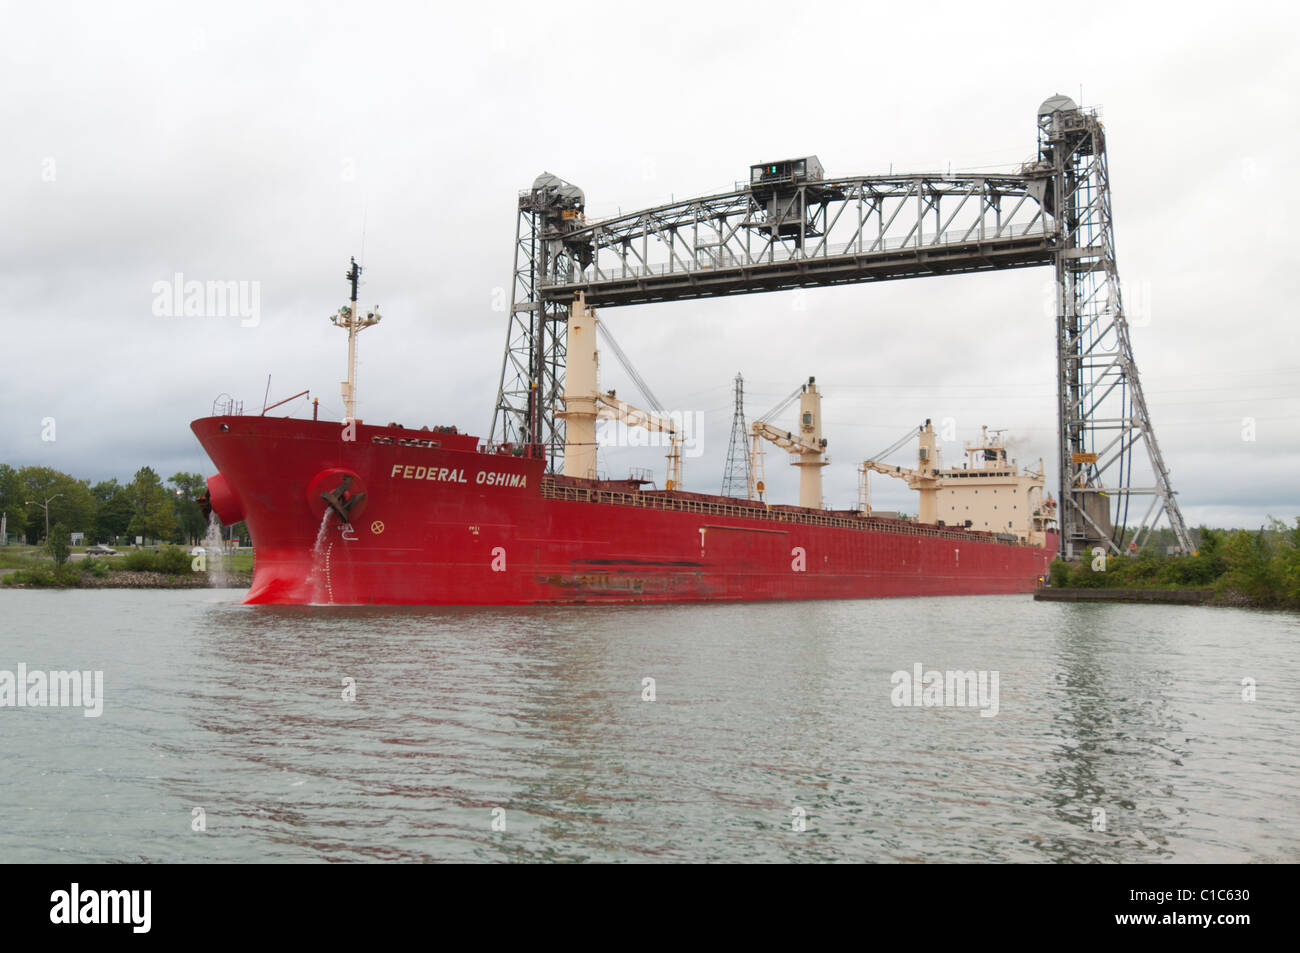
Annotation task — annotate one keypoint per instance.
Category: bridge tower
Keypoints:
(527, 412)
(1102, 413)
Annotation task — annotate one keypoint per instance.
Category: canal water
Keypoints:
(751, 732)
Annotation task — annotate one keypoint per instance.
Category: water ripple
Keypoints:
(764, 716)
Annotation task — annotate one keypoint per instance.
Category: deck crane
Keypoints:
(806, 445)
(924, 478)
(584, 403)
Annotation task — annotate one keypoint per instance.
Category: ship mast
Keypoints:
(350, 318)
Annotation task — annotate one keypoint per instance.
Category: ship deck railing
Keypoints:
(657, 500)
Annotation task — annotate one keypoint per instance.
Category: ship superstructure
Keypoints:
(987, 492)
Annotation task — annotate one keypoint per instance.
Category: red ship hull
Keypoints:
(432, 520)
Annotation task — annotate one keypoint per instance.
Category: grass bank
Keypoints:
(169, 567)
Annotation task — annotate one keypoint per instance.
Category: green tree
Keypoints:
(154, 513)
(70, 500)
(1286, 563)
(108, 522)
(1249, 560)
(114, 516)
(12, 500)
(105, 490)
(57, 544)
(189, 518)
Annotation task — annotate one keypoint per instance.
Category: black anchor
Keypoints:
(340, 502)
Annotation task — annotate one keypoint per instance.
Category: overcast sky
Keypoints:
(268, 142)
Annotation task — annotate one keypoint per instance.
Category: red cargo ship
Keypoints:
(431, 519)
(349, 513)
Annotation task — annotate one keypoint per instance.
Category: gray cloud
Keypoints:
(270, 144)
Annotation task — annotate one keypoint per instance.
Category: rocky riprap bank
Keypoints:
(1181, 597)
(121, 579)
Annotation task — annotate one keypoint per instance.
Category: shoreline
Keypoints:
(124, 579)
(1162, 596)
(1174, 597)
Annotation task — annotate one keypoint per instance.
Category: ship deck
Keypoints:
(625, 493)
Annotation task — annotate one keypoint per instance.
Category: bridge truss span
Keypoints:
(811, 234)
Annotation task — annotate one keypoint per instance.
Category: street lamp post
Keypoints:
(45, 506)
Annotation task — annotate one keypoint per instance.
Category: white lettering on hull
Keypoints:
(495, 478)
(456, 475)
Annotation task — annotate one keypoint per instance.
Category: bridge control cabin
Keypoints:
(788, 200)
(785, 172)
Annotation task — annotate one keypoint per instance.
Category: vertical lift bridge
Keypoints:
(789, 226)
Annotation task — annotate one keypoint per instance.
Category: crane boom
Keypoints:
(613, 408)
(902, 473)
(785, 439)
(609, 407)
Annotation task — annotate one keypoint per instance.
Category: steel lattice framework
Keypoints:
(1102, 413)
(808, 235)
(780, 232)
(532, 371)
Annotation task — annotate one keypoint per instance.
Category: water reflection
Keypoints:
(1115, 727)
(764, 715)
